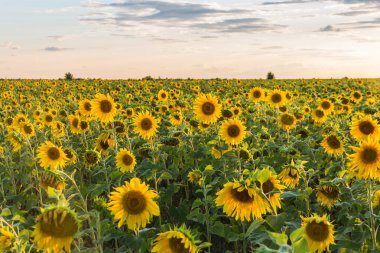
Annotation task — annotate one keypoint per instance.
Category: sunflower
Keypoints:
(51, 156)
(6, 239)
(71, 156)
(319, 116)
(290, 175)
(327, 194)
(176, 118)
(271, 184)
(327, 106)
(145, 125)
(85, 107)
(162, 95)
(55, 229)
(364, 127)
(133, 202)
(207, 108)
(74, 124)
(16, 140)
(236, 110)
(91, 157)
(333, 145)
(217, 152)
(232, 131)
(103, 107)
(356, 96)
(287, 121)
(195, 176)
(104, 142)
(376, 199)
(48, 118)
(125, 160)
(51, 180)
(241, 201)
(319, 233)
(365, 162)
(177, 240)
(276, 98)
(256, 94)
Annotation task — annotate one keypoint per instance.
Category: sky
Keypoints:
(118, 39)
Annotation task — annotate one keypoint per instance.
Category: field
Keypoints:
(173, 166)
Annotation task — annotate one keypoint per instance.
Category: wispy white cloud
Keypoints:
(10, 45)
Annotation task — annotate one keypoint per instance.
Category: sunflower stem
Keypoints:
(371, 214)
(244, 240)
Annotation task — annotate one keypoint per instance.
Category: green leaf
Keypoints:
(6, 212)
(198, 202)
(254, 225)
(300, 246)
(217, 229)
(279, 238)
(296, 234)
(166, 175)
(276, 221)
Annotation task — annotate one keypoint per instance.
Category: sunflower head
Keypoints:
(287, 121)
(207, 108)
(51, 180)
(364, 127)
(333, 145)
(327, 194)
(103, 107)
(134, 203)
(125, 160)
(256, 94)
(7, 239)
(55, 229)
(232, 131)
(276, 98)
(91, 157)
(319, 233)
(51, 156)
(145, 125)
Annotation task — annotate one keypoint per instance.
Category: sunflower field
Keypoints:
(186, 166)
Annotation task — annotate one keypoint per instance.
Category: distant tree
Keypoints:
(147, 78)
(69, 76)
(270, 76)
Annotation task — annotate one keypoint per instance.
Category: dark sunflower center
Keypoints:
(357, 95)
(293, 174)
(326, 105)
(83, 125)
(58, 224)
(68, 153)
(208, 108)
(333, 142)
(49, 118)
(104, 144)
(319, 113)
(134, 202)
(369, 156)
(127, 159)
(28, 129)
(177, 246)
(317, 231)
(177, 117)
(91, 157)
(330, 192)
(105, 106)
(146, 124)
(163, 95)
(242, 196)
(75, 122)
(276, 98)
(366, 127)
(53, 153)
(257, 94)
(87, 106)
(233, 131)
(287, 119)
(268, 186)
(119, 126)
(129, 112)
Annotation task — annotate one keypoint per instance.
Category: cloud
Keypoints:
(55, 10)
(176, 15)
(10, 45)
(55, 49)
(329, 28)
(310, 1)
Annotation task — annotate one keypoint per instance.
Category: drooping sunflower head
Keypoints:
(207, 108)
(319, 233)
(51, 180)
(333, 145)
(241, 201)
(51, 156)
(145, 125)
(289, 175)
(177, 240)
(91, 157)
(104, 142)
(365, 127)
(134, 203)
(364, 163)
(55, 229)
(7, 239)
(103, 107)
(125, 160)
(327, 194)
(70, 155)
(287, 121)
(232, 131)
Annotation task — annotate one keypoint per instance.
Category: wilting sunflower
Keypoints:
(145, 125)
(125, 160)
(232, 131)
(376, 199)
(241, 201)
(195, 176)
(276, 98)
(333, 145)
(6, 239)
(271, 184)
(327, 194)
(85, 107)
(177, 240)
(103, 107)
(207, 108)
(256, 94)
(104, 142)
(55, 229)
(290, 175)
(133, 202)
(365, 127)
(71, 156)
(319, 233)
(287, 121)
(91, 157)
(51, 180)
(365, 162)
(51, 156)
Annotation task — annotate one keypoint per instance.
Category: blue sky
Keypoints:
(194, 38)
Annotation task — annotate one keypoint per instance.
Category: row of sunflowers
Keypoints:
(173, 166)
